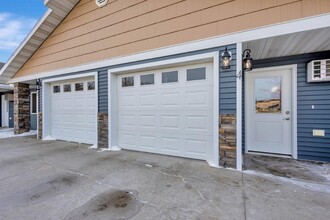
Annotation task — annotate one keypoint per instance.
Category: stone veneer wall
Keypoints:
(21, 108)
(102, 123)
(39, 125)
(227, 135)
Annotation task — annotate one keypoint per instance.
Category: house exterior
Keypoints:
(151, 76)
(6, 104)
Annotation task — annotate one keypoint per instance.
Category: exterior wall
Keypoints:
(227, 112)
(102, 118)
(102, 132)
(227, 94)
(124, 27)
(33, 121)
(21, 108)
(317, 94)
(33, 117)
(103, 91)
(39, 125)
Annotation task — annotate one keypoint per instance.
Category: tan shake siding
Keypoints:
(124, 27)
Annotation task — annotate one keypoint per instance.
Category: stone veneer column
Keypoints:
(227, 133)
(39, 125)
(102, 123)
(21, 108)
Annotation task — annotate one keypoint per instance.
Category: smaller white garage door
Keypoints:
(167, 111)
(73, 110)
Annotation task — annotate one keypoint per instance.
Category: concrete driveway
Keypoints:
(61, 180)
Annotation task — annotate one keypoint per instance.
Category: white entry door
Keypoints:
(167, 111)
(73, 110)
(269, 111)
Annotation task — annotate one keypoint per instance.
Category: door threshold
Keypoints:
(270, 154)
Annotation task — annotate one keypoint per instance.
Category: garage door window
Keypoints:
(56, 89)
(127, 81)
(67, 88)
(196, 74)
(147, 79)
(91, 85)
(79, 86)
(170, 77)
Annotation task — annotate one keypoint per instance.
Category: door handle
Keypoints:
(286, 119)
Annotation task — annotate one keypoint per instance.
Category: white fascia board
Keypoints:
(310, 23)
(28, 37)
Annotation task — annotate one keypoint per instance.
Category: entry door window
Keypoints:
(267, 94)
(33, 103)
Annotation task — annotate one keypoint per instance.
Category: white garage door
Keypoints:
(73, 110)
(167, 111)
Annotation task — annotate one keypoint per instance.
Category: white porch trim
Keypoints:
(239, 161)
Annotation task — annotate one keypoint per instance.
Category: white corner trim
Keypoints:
(216, 104)
(239, 160)
(298, 25)
(96, 79)
(295, 113)
(211, 56)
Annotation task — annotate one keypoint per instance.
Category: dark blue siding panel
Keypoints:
(227, 78)
(33, 121)
(103, 91)
(308, 94)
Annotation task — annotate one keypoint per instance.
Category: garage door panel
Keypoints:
(148, 121)
(170, 143)
(196, 146)
(148, 141)
(170, 122)
(167, 118)
(73, 114)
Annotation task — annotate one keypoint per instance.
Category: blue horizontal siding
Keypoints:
(227, 84)
(308, 94)
(33, 121)
(103, 91)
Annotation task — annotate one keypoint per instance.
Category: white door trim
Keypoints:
(239, 160)
(293, 69)
(212, 56)
(46, 129)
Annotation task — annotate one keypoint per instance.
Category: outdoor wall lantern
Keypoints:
(38, 84)
(225, 60)
(247, 61)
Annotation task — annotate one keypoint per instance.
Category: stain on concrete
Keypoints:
(113, 204)
(40, 192)
(288, 168)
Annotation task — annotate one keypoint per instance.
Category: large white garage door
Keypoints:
(167, 111)
(73, 110)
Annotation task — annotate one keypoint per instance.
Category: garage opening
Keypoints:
(73, 110)
(167, 111)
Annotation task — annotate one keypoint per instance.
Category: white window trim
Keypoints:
(46, 91)
(213, 160)
(294, 146)
(32, 103)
